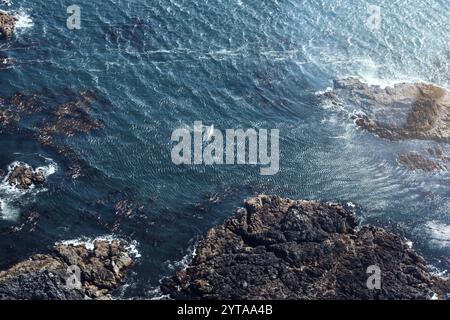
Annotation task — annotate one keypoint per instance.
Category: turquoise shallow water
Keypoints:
(163, 64)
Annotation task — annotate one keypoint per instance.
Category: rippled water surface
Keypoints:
(162, 64)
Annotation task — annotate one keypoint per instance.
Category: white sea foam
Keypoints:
(156, 294)
(23, 21)
(322, 92)
(351, 204)
(9, 194)
(184, 262)
(409, 243)
(7, 212)
(48, 170)
(132, 247)
(369, 73)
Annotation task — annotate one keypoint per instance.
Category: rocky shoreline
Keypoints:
(277, 248)
(70, 272)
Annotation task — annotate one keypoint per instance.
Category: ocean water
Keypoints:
(159, 65)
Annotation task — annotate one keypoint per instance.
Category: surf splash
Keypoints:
(9, 194)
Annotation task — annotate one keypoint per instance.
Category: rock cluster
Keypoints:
(24, 177)
(51, 122)
(404, 111)
(54, 276)
(278, 248)
(7, 24)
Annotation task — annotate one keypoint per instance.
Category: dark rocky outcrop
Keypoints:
(404, 111)
(51, 276)
(24, 177)
(7, 24)
(278, 248)
(71, 118)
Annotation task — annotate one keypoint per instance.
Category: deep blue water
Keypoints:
(162, 64)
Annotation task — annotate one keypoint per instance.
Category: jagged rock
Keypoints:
(7, 24)
(278, 248)
(23, 177)
(404, 111)
(48, 277)
(25, 104)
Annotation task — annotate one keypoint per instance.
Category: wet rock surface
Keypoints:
(278, 248)
(404, 111)
(23, 177)
(6, 119)
(54, 276)
(7, 24)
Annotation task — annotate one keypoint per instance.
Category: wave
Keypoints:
(24, 20)
(184, 262)
(7, 188)
(88, 243)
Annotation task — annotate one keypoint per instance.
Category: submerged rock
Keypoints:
(278, 248)
(71, 272)
(7, 24)
(24, 177)
(404, 111)
(415, 161)
(50, 123)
